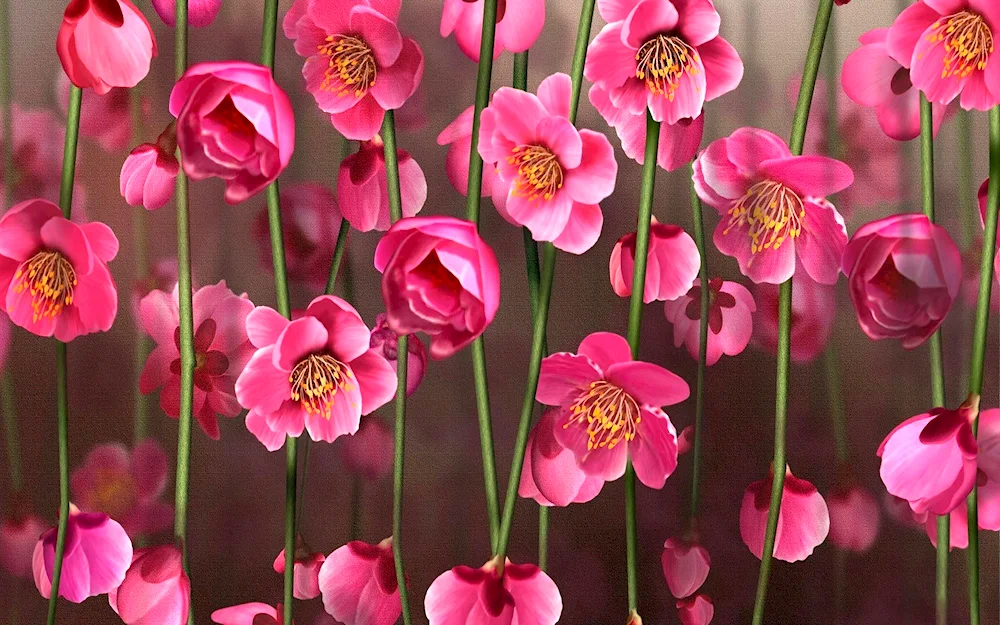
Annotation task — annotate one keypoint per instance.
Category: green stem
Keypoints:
(10, 429)
(831, 363)
(139, 235)
(941, 570)
(543, 537)
(520, 71)
(338, 255)
(699, 402)
(580, 56)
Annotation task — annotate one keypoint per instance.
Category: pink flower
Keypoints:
(18, 536)
(200, 12)
(306, 570)
(803, 520)
(126, 486)
(493, 595)
(162, 276)
(948, 47)
(685, 440)
(696, 610)
(362, 186)
(904, 273)
(359, 584)
(930, 459)
(438, 277)
(98, 553)
(155, 591)
(550, 474)
(458, 137)
(773, 206)
(369, 453)
(610, 409)
(235, 123)
(983, 193)
(685, 566)
(872, 78)
(221, 347)
(854, 518)
(518, 24)
(672, 263)
(54, 271)
(150, 171)
(667, 56)
(813, 311)
(416, 354)
(104, 44)
(730, 322)
(357, 64)
(106, 118)
(249, 614)
(37, 150)
(557, 174)
(316, 373)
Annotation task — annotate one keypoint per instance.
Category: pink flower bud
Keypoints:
(148, 176)
(200, 12)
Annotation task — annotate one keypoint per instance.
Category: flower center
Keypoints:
(540, 172)
(351, 63)
(50, 279)
(113, 494)
(968, 43)
(611, 415)
(773, 213)
(316, 381)
(663, 61)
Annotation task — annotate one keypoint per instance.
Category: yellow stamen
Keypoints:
(612, 415)
(316, 379)
(773, 213)
(540, 173)
(663, 61)
(351, 68)
(968, 43)
(50, 280)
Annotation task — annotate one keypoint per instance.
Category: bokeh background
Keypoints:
(237, 487)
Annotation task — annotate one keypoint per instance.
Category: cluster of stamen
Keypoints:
(316, 381)
(773, 213)
(612, 415)
(50, 280)
(351, 66)
(540, 173)
(968, 43)
(663, 61)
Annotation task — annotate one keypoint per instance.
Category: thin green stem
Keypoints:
(543, 537)
(520, 80)
(580, 56)
(831, 365)
(813, 57)
(338, 255)
(699, 402)
(141, 272)
(11, 432)
(941, 570)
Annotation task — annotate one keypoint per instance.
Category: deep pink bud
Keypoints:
(200, 12)
(685, 566)
(149, 172)
(696, 610)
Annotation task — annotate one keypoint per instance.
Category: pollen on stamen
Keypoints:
(771, 211)
(968, 43)
(610, 413)
(316, 380)
(662, 63)
(540, 174)
(351, 68)
(50, 279)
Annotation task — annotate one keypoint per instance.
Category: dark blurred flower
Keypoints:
(730, 319)
(106, 118)
(854, 518)
(813, 312)
(37, 150)
(369, 452)
(803, 520)
(18, 537)
(155, 591)
(162, 276)
(359, 585)
(362, 186)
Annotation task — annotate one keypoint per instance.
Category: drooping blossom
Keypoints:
(685, 440)
(162, 275)
(155, 591)
(37, 152)
(904, 273)
(493, 595)
(97, 555)
(551, 475)
(667, 56)
(235, 123)
(685, 566)
(772, 206)
(671, 267)
(610, 409)
(249, 614)
(813, 313)
(438, 277)
(54, 272)
(18, 536)
(518, 24)
(696, 610)
(458, 137)
(358, 65)
(359, 584)
(221, 347)
(149, 172)
(104, 44)
(369, 452)
(854, 518)
(125, 485)
(105, 118)
(362, 186)
(557, 175)
(730, 319)
(803, 519)
(316, 373)
(201, 13)
(416, 354)
(948, 47)
(305, 572)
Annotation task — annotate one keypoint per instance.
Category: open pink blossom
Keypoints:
(104, 44)
(610, 409)
(458, 137)
(438, 277)
(155, 591)
(695, 610)
(359, 584)
(358, 65)
(948, 47)
(221, 348)
(518, 24)
(854, 518)
(730, 319)
(98, 553)
(316, 373)
(18, 536)
(672, 263)
(235, 123)
(369, 453)
(803, 520)
(667, 56)
(125, 485)
(249, 614)
(557, 175)
(201, 13)
(149, 173)
(105, 118)
(904, 273)
(685, 566)
(306, 570)
(550, 474)
(872, 78)
(416, 354)
(54, 272)
(813, 314)
(983, 201)
(493, 595)
(362, 186)
(773, 206)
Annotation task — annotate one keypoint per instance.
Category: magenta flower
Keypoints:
(730, 319)
(519, 22)
(149, 173)
(201, 13)
(54, 272)
(773, 206)
(369, 453)
(904, 273)
(359, 585)
(458, 137)
(221, 347)
(438, 277)
(362, 186)
(948, 47)
(672, 263)
(357, 64)
(126, 486)
(550, 474)
(155, 591)
(813, 312)
(854, 518)
(235, 123)
(803, 520)
(610, 409)
(105, 118)
(306, 571)
(316, 373)
(695, 610)
(416, 354)
(18, 536)
(249, 614)
(685, 566)
(493, 595)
